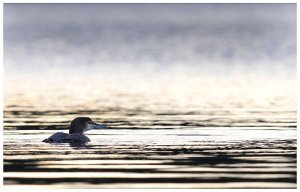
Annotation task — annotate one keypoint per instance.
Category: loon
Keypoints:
(78, 126)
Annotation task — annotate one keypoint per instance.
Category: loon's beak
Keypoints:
(93, 125)
(97, 126)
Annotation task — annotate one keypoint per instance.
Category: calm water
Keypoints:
(195, 95)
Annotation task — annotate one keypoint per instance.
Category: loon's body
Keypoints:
(78, 126)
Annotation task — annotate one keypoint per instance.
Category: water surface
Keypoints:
(148, 149)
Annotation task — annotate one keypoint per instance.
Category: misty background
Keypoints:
(175, 50)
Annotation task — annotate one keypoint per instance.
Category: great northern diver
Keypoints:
(78, 126)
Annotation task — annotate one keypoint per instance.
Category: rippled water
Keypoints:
(204, 148)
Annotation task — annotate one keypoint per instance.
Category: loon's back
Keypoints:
(61, 137)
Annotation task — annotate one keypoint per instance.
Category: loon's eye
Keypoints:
(89, 122)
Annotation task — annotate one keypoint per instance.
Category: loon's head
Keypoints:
(83, 124)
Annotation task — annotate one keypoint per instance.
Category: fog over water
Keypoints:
(152, 47)
(162, 36)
